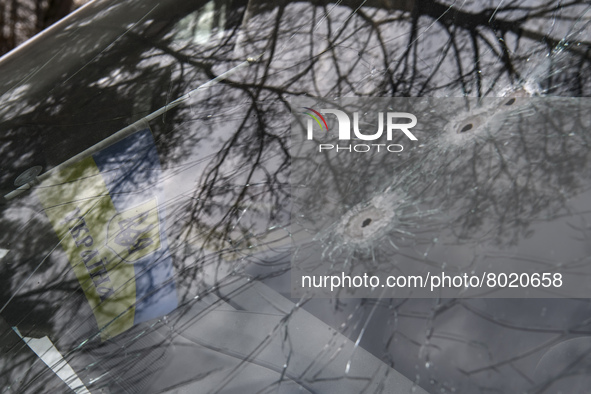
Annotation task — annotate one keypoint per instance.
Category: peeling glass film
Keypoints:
(202, 204)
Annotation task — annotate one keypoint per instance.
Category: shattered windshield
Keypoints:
(298, 197)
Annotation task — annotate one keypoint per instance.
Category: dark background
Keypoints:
(22, 19)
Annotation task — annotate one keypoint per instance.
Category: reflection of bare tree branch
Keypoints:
(227, 156)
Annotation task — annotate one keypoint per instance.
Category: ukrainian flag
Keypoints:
(107, 211)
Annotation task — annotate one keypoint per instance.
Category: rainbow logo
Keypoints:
(315, 116)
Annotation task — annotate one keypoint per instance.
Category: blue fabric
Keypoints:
(131, 171)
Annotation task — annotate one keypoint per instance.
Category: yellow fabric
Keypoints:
(77, 203)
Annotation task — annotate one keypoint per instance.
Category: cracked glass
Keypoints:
(154, 199)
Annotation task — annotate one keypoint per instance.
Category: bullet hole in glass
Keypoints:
(466, 128)
(366, 222)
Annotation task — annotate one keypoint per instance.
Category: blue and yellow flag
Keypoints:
(107, 211)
